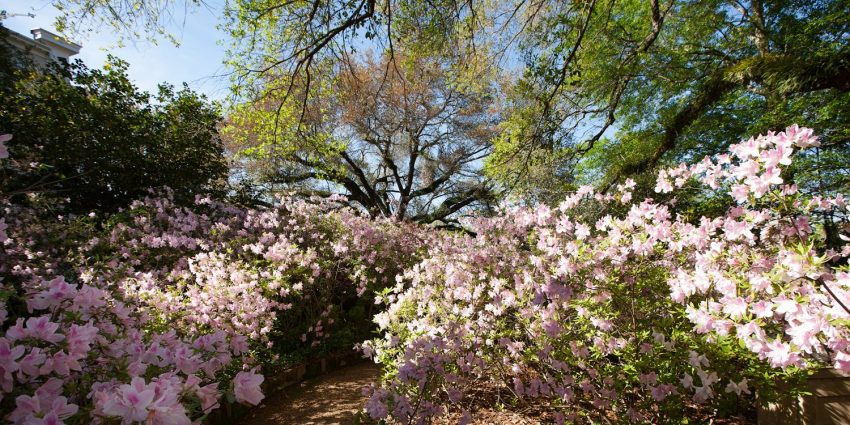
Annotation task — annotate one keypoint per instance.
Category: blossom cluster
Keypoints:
(159, 313)
(637, 314)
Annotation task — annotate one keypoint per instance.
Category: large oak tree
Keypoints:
(399, 136)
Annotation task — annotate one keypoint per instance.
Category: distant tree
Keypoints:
(90, 136)
(399, 137)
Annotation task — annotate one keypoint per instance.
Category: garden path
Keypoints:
(335, 397)
(332, 398)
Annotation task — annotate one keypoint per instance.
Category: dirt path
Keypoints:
(329, 399)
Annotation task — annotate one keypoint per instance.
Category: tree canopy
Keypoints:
(602, 91)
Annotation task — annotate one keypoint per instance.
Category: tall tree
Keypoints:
(398, 136)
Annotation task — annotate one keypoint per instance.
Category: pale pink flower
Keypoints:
(36, 327)
(687, 381)
(166, 409)
(57, 291)
(780, 354)
(740, 192)
(246, 388)
(735, 307)
(45, 406)
(802, 137)
(762, 309)
(31, 363)
(209, 396)
(738, 388)
(8, 364)
(131, 401)
(702, 393)
(661, 392)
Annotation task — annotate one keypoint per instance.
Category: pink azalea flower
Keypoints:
(661, 392)
(57, 291)
(167, 410)
(803, 137)
(702, 393)
(209, 396)
(735, 307)
(246, 388)
(80, 338)
(582, 231)
(31, 363)
(687, 381)
(780, 354)
(842, 361)
(40, 328)
(738, 388)
(45, 406)
(8, 364)
(131, 401)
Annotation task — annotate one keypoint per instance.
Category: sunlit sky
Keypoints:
(197, 61)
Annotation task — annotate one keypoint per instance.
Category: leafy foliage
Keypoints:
(90, 136)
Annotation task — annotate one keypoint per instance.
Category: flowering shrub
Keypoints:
(155, 314)
(159, 313)
(639, 316)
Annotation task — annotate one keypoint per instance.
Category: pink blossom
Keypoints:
(740, 193)
(246, 388)
(57, 291)
(131, 401)
(36, 327)
(735, 307)
(780, 354)
(8, 364)
(45, 406)
(582, 231)
(738, 388)
(661, 392)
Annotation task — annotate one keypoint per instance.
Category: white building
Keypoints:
(44, 46)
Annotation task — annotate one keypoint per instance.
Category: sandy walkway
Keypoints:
(328, 399)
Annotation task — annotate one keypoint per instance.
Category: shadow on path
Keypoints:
(333, 398)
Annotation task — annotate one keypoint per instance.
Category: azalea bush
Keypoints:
(161, 313)
(608, 309)
(602, 309)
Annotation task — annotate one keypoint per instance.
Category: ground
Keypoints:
(333, 398)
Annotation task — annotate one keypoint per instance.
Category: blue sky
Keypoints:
(197, 61)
